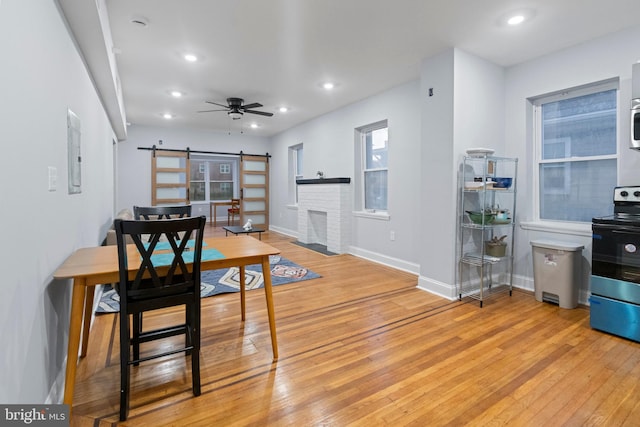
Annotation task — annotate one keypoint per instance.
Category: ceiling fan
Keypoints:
(235, 108)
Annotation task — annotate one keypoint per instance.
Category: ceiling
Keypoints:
(279, 52)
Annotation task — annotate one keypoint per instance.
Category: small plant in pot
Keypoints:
(496, 246)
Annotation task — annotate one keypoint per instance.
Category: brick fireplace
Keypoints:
(324, 213)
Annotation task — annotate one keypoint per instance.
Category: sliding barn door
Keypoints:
(254, 190)
(169, 178)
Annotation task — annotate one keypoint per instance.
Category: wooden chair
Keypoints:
(150, 213)
(169, 277)
(161, 212)
(233, 211)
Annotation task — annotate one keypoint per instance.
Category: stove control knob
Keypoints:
(636, 193)
(624, 193)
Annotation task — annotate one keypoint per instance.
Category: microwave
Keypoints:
(635, 124)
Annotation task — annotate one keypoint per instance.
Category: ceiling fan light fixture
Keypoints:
(235, 115)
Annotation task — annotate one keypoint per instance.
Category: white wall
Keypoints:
(134, 165)
(466, 110)
(604, 58)
(43, 75)
(329, 146)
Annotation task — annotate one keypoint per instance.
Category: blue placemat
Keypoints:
(161, 246)
(167, 259)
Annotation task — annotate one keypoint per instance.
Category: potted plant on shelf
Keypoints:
(496, 246)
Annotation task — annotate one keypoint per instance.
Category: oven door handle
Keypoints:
(629, 230)
(615, 228)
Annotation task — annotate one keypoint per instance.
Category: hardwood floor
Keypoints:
(363, 346)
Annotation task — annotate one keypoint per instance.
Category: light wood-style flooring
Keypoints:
(362, 346)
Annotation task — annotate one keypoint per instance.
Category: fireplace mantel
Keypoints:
(346, 180)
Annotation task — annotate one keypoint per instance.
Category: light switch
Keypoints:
(53, 178)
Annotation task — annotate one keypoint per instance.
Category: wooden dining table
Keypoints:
(93, 266)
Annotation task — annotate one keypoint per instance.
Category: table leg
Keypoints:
(266, 272)
(75, 328)
(215, 207)
(86, 325)
(243, 291)
(210, 213)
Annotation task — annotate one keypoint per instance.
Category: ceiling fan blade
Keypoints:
(215, 103)
(209, 111)
(262, 113)
(250, 106)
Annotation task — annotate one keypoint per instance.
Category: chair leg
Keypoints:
(124, 367)
(137, 330)
(188, 321)
(194, 325)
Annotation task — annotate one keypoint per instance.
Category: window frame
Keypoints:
(537, 161)
(362, 170)
(211, 161)
(296, 171)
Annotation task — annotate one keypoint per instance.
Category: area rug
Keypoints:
(214, 282)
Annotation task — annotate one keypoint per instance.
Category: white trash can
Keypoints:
(557, 269)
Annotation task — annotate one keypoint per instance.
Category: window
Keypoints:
(295, 170)
(576, 161)
(373, 147)
(212, 178)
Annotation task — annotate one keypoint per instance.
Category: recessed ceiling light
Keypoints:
(328, 85)
(517, 17)
(167, 116)
(176, 93)
(515, 20)
(283, 109)
(190, 57)
(254, 125)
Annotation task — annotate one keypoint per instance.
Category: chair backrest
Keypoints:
(235, 205)
(161, 212)
(167, 267)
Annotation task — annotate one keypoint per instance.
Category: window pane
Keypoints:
(579, 127)
(220, 191)
(577, 191)
(573, 188)
(376, 149)
(196, 191)
(299, 158)
(220, 170)
(196, 170)
(375, 190)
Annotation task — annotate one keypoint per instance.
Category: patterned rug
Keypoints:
(214, 282)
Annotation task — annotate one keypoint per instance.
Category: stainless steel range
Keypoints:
(615, 269)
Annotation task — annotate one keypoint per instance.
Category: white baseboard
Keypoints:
(427, 284)
(436, 287)
(396, 263)
(285, 231)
